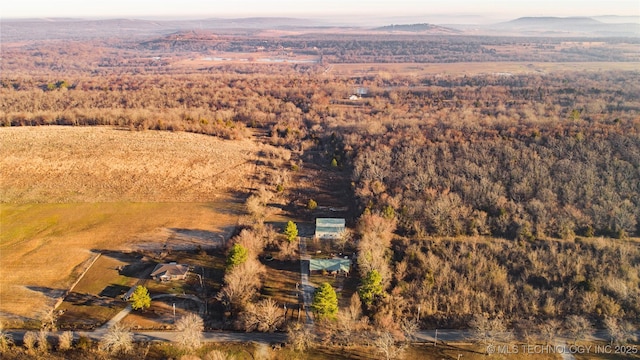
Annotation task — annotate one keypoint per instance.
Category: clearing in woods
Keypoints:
(69, 190)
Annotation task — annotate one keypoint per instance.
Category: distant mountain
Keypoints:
(81, 29)
(417, 28)
(257, 23)
(570, 26)
(553, 21)
(616, 19)
(69, 28)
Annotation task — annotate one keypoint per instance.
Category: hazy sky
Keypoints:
(241, 8)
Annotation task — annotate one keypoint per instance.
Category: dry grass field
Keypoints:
(68, 191)
(476, 68)
(100, 164)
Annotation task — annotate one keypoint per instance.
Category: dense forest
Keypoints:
(524, 184)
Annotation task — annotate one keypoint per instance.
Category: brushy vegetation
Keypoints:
(452, 279)
(524, 182)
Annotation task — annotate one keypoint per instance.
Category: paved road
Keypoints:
(140, 336)
(454, 335)
(426, 336)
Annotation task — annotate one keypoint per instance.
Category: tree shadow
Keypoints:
(189, 239)
(80, 299)
(283, 265)
(114, 291)
(87, 311)
(139, 266)
(47, 291)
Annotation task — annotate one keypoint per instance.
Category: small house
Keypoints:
(329, 228)
(170, 271)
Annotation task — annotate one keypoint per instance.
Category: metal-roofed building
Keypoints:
(331, 265)
(329, 228)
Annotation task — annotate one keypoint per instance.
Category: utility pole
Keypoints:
(435, 340)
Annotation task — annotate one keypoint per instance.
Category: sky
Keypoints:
(321, 8)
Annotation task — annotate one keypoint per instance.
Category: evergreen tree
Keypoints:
(325, 302)
(371, 287)
(291, 230)
(237, 255)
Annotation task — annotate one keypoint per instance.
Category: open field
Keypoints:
(68, 192)
(101, 164)
(44, 246)
(475, 68)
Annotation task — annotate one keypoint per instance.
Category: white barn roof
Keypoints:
(329, 228)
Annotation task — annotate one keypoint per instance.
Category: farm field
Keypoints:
(103, 164)
(64, 198)
(475, 68)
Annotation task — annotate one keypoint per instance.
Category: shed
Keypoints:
(329, 228)
(171, 271)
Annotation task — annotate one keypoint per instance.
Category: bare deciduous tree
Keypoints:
(550, 330)
(300, 337)
(578, 327)
(118, 339)
(490, 331)
(241, 284)
(265, 316)
(6, 340)
(388, 347)
(250, 240)
(29, 341)
(345, 237)
(43, 341)
(354, 311)
(189, 329)
(65, 341)
(49, 321)
(620, 332)
(409, 328)
(289, 249)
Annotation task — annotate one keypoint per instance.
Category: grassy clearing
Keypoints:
(68, 192)
(280, 282)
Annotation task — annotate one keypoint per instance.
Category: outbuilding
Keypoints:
(329, 228)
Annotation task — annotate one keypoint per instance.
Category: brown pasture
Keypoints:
(68, 192)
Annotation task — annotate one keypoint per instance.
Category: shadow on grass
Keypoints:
(47, 291)
(113, 291)
(86, 311)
